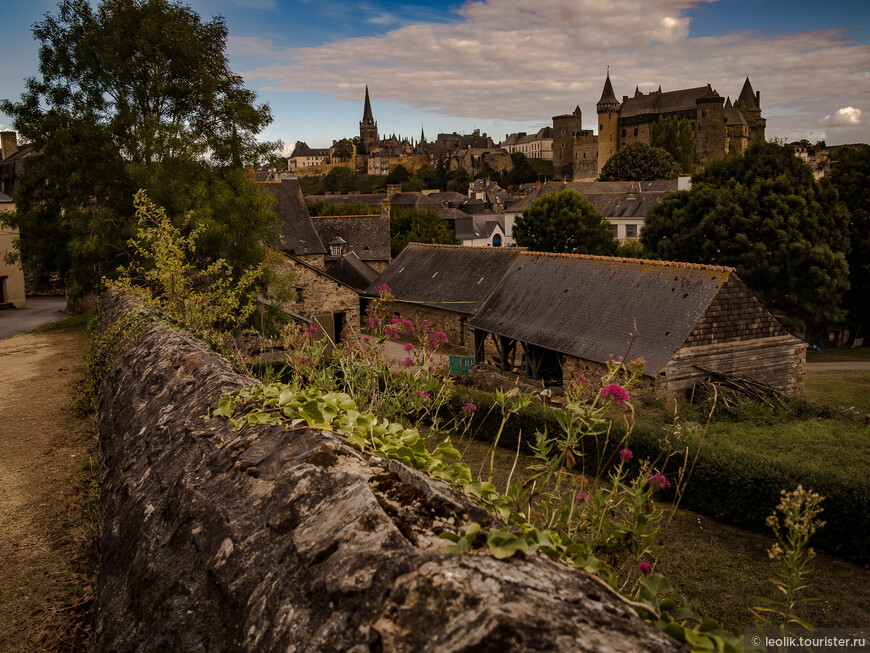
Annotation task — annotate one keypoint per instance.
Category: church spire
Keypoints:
(368, 118)
(422, 135)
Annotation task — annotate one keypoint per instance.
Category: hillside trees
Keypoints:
(639, 162)
(676, 138)
(135, 94)
(851, 177)
(418, 226)
(564, 222)
(343, 150)
(763, 214)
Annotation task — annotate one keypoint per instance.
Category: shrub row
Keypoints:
(732, 486)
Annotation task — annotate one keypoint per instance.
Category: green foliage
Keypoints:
(418, 226)
(676, 138)
(564, 222)
(640, 162)
(320, 207)
(398, 175)
(765, 215)
(343, 150)
(459, 180)
(130, 95)
(851, 177)
(793, 528)
(340, 180)
(521, 171)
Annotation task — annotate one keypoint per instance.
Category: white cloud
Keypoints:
(255, 4)
(845, 117)
(526, 60)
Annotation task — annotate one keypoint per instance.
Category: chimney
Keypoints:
(8, 144)
(393, 189)
(385, 207)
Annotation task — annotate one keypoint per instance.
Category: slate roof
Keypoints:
(350, 270)
(368, 118)
(670, 102)
(607, 95)
(449, 277)
(298, 236)
(747, 97)
(588, 306)
(367, 235)
(732, 115)
(478, 226)
(591, 188)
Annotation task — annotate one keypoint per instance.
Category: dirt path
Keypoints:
(43, 534)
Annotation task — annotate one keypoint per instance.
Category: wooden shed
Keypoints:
(568, 314)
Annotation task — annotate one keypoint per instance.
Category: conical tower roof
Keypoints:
(747, 97)
(422, 135)
(607, 95)
(367, 111)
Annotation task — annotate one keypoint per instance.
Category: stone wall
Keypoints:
(320, 294)
(274, 540)
(452, 324)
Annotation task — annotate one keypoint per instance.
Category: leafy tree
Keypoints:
(676, 138)
(439, 180)
(639, 162)
(765, 215)
(418, 226)
(522, 171)
(398, 175)
(564, 222)
(413, 185)
(360, 146)
(134, 94)
(459, 180)
(343, 150)
(851, 177)
(486, 172)
(340, 180)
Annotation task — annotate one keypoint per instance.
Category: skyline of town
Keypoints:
(503, 66)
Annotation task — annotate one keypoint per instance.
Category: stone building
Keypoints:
(12, 293)
(368, 128)
(720, 127)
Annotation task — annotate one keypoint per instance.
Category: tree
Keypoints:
(439, 180)
(459, 180)
(360, 146)
(851, 178)
(418, 226)
(639, 162)
(398, 175)
(522, 171)
(765, 215)
(676, 138)
(340, 180)
(134, 94)
(343, 150)
(564, 222)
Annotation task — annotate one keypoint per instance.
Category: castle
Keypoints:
(719, 127)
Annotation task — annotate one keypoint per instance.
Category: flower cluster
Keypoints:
(644, 568)
(582, 497)
(469, 408)
(437, 339)
(424, 396)
(615, 393)
(658, 481)
(625, 455)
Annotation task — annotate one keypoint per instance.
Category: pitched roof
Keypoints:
(478, 226)
(297, 232)
(449, 277)
(367, 235)
(350, 270)
(731, 114)
(589, 306)
(589, 189)
(368, 118)
(747, 97)
(607, 95)
(657, 102)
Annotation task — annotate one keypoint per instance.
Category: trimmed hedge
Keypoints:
(732, 486)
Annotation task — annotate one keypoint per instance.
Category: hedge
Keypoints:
(732, 486)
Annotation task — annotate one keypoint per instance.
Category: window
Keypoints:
(496, 240)
(635, 131)
(623, 133)
(335, 250)
(631, 231)
(298, 290)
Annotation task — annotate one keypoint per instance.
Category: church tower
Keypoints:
(608, 124)
(368, 128)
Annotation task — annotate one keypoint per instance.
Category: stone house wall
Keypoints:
(320, 294)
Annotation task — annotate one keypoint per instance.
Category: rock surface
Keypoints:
(294, 541)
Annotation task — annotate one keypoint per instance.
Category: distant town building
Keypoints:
(535, 146)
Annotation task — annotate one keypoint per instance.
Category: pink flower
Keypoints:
(469, 408)
(658, 481)
(431, 368)
(408, 347)
(615, 393)
(408, 362)
(644, 569)
(625, 455)
(582, 497)
(373, 323)
(312, 330)
(367, 339)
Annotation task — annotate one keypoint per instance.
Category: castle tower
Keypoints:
(608, 124)
(368, 128)
(565, 129)
(710, 131)
(749, 104)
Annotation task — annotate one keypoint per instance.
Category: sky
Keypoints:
(504, 66)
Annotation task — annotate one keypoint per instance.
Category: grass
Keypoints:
(838, 355)
(72, 323)
(840, 388)
(720, 569)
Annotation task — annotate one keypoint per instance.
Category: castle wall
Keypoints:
(710, 134)
(585, 163)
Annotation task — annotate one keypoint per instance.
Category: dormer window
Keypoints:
(336, 246)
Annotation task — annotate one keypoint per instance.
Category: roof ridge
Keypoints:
(357, 215)
(623, 259)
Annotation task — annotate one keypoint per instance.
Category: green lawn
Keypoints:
(840, 388)
(838, 355)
